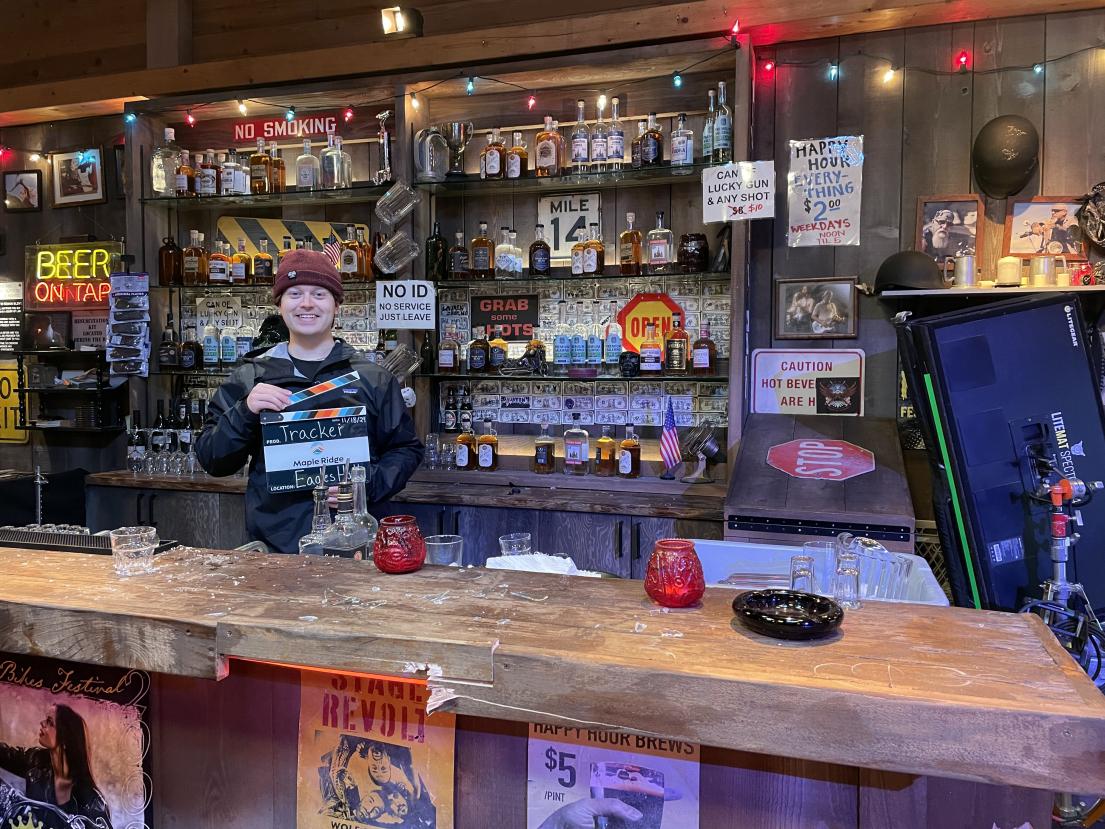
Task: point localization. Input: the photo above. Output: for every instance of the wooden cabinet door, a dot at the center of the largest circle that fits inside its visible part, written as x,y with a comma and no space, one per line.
482,526
192,518
594,541
109,507
432,519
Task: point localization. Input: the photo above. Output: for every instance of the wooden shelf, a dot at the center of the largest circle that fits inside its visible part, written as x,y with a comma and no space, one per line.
474,185
996,292
68,389
358,194
715,378
34,427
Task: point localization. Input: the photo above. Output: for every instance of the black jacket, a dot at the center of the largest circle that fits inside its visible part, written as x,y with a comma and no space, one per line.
232,434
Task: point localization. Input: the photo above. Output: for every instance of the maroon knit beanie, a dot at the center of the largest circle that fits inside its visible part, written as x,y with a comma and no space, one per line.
307,267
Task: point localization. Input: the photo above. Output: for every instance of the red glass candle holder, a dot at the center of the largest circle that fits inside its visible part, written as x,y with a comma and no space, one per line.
674,576
399,546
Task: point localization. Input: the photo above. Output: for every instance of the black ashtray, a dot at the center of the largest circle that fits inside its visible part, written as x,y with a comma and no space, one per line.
788,614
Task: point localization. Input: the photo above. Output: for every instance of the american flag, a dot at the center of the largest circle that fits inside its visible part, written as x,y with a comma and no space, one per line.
332,249
669,440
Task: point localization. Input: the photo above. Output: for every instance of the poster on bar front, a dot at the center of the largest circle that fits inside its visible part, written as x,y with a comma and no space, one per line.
824,185
369,756
587,777
72,745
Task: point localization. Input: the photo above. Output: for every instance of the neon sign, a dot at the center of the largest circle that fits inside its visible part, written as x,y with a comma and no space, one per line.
72,276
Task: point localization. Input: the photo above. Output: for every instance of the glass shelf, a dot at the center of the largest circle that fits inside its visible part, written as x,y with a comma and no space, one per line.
474,185
671,378
34,427
557,276
191,372
357,194
68,389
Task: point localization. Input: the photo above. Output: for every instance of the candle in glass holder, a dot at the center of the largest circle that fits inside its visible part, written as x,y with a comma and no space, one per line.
674,575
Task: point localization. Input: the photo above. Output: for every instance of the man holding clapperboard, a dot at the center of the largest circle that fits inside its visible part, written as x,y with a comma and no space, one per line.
334,406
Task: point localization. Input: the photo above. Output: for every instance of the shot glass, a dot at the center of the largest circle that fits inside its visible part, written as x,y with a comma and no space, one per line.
801,574
444,549
846,587
132,550
515,544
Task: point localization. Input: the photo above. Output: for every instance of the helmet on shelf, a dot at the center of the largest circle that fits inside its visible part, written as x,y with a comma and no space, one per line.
908,270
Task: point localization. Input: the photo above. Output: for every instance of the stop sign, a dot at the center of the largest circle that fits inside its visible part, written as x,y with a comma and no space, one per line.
643,309
831,460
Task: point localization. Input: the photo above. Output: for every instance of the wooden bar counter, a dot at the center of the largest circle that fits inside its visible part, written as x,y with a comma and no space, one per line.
947,693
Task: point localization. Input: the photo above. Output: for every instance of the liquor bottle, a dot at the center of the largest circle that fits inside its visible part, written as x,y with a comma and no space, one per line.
330,164
661,247
562,341
676,345
168,353
185,176
594,335
450,414
311,543
365,261
448,352
537,343
279,171
437,254
427,353
194,261
493,157
629,248
652,352
708,130
581,138
381,348
517,158
544,452
242,174
346,538
246,332
191,352
228,346
579,337
600,144
228,168
464,406
207,175
615,140
260,170
723,129
605,451
157,433
378,241
349,259
466,450
136,443
210,346
515,256
307,171
577,256
682,146
504,255
345,164
548,151
652,144
498,348
483,158
170,263
479,352
540,259
594,252
629,455
458,258
241,266
164,162
562,149
218,266
612,347
262,265
390,337
487,447
482,260
637,145
577,450
704,351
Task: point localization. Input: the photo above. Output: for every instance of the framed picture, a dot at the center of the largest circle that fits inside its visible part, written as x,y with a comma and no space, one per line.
22,191
1044,226
815,309
948,226
78,177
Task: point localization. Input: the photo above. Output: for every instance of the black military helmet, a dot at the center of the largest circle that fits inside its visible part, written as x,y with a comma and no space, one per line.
1005,155
909,270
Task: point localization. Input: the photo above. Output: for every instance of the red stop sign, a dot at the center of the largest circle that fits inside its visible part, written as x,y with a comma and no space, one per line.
831,460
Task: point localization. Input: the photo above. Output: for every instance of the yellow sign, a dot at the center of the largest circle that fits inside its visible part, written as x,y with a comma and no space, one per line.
72,264
69,277
9,405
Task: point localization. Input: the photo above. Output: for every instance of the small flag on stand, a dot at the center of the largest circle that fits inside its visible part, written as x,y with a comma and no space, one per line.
669,444
332,249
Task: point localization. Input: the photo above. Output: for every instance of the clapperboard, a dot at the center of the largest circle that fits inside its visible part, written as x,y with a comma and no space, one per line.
298,443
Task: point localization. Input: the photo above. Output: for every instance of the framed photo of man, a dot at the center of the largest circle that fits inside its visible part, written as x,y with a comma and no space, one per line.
947,226
1044,226
22,191
78,177
815,309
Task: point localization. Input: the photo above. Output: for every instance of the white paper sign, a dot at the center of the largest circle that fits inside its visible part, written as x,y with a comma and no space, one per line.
566,217
744,190
824,183
89,329
407,304
823,381
222,311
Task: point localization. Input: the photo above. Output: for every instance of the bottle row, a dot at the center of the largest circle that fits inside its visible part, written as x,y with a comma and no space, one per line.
180,173
214,348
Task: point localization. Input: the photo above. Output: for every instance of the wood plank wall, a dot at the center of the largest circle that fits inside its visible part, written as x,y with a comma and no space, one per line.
918,130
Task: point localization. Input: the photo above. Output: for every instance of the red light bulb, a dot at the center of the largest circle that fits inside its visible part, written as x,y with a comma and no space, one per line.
769,67
190,119
736,29
962,61
348,114
531,102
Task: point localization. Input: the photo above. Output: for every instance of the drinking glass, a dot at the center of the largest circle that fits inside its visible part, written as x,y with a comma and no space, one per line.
397,252
801,574
515,544
444,549
430,459
397,202
846,587
823,554
132,550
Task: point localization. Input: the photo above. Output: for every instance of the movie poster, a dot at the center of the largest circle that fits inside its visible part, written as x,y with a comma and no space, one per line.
71,745
610,779
369,756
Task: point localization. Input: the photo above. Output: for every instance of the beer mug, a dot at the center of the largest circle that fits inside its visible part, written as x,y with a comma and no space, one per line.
396,203
398,252
964,272
1041,271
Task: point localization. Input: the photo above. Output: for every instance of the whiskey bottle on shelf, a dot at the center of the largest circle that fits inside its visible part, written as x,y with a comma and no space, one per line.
210,346
517,158
577,450
708,130
537,343
458,258
194,261
307,171
164,161
563,150
228,346
168,353
652,144
638,143
241,173
464,407
661,247
185,176
329,161
540,258
483,158
600,144
448,353
170,263
723,129
260,170
345,164
515,256
498,349
493,157
581,138
595,338
615,140
652,352
487,445
629,455
562,341
479,352
228,169
218,266
262,265
547,151
676,345
504,255
482,260
466,450
682,146
579,336
594,252
437,255
279,171
349,261
191,352
207,175
544,452
704,351
577,256
450,414
629,248
241,270
220,178
605,451
612,345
